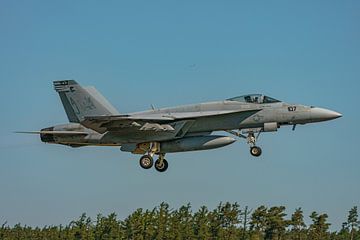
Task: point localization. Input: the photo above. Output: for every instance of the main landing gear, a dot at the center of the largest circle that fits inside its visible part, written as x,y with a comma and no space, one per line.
147,160
251,140
161,164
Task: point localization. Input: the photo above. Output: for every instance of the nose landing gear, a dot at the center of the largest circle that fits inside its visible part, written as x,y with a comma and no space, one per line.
251,140
255,151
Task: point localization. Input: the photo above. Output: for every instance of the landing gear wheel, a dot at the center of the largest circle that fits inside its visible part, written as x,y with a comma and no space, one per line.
161,166
255,151
146,161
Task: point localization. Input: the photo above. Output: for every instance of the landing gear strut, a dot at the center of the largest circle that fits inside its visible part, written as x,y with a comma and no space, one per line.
147,161
251,140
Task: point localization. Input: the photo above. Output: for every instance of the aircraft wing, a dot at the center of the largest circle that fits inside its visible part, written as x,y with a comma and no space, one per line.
151,122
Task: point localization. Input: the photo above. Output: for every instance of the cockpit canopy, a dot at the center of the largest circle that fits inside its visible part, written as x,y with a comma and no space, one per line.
254,98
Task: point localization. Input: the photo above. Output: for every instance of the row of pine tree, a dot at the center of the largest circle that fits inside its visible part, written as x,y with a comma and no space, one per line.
227,221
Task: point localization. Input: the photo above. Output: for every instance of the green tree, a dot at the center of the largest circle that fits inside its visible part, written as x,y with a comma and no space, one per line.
201,224
258,222
353,222
344,233
275,223
139,225
161,221
108,227
245,222
81,228
226,221
149,231
181,223
214,224
229,218
318,230
298,226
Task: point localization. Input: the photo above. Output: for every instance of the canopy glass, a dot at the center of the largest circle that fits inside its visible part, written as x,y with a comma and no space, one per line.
254,98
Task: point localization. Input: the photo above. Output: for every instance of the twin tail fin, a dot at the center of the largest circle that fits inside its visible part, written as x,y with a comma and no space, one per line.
80,102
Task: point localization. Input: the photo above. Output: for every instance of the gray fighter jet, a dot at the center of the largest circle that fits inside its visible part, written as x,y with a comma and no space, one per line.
95,122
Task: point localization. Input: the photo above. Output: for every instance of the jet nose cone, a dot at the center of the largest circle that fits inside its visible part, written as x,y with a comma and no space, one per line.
336,114
322,114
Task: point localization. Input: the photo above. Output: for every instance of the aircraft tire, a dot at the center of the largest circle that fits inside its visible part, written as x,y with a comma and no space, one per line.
146,162
255,151
163,167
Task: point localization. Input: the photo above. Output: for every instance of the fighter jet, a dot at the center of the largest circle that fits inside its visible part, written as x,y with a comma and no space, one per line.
95,122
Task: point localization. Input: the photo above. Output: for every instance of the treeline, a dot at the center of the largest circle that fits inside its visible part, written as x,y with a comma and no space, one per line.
227,221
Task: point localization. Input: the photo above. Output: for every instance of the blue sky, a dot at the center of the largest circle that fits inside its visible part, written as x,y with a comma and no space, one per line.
169,53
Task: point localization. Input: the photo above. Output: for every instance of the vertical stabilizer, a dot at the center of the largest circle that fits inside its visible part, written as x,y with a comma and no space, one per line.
80,102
